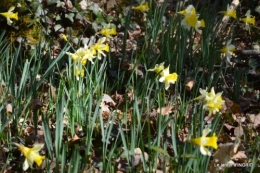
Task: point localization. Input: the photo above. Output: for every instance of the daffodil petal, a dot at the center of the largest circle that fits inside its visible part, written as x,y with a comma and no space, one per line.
25,165
205,151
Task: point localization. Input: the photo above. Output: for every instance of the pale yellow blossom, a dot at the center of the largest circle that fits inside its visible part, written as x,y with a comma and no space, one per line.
10,15
205,141
31,155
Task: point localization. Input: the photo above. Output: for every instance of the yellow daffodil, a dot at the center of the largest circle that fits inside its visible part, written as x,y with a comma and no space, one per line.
229,12
228,49
79,72
189,10
64,37
89,55
204,142
108,31
191,21
158,68
249,19
82,55
10,15
100,47
142,7
168,78
31,155
211,102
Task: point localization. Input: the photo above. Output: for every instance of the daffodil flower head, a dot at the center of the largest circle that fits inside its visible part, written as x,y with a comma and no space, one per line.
158,68
190,21
108,31
64,37
82,55
10,15
31,155
100,47
228,49
79,72
189,10
142,7
205,141
168,78
90,54
249,19
211,102
229,12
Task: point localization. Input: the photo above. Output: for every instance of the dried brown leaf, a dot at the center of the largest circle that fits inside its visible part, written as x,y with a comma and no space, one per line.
189,85
35,104
9,108
74,140
239,156
131,94
135,34
238,131
108,100
229,127
223,155
255,119
110,4
227,105
165,110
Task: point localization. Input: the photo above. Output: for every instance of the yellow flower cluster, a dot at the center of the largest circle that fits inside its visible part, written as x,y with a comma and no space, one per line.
204,141
249,19
165,75
191,19
211,102
88,53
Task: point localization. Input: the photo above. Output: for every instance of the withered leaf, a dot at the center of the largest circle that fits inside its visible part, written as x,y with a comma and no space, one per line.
238,131
110,4
229,127
255,119
239,156
223,155
227,105
35,104
108,100
189,85
165,110
9,108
